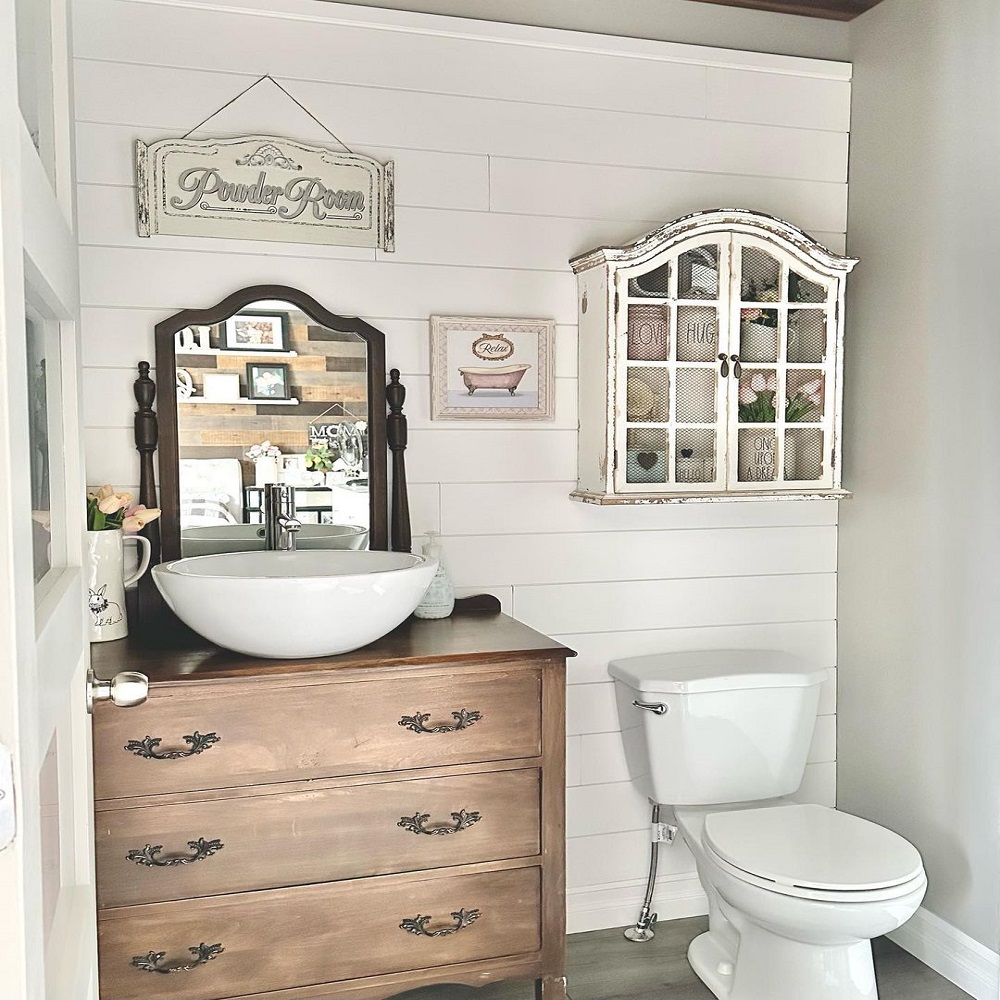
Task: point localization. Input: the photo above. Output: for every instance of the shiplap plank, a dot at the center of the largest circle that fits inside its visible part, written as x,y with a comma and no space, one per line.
602,759
395,60
814,641
647,604
418,408
109,455
602,755
425,513
597,809
106,218
642,555
117,338
545,186
424,178
112,338
737,95
502,509
602,859
149,279
107,394
152,96
423,236
495,239
591,708
309,13
573,761
823,748
819,784
490,456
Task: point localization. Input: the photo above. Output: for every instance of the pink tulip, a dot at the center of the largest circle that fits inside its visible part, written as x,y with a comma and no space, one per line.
758,382
110,504
813,391
747,395
137,517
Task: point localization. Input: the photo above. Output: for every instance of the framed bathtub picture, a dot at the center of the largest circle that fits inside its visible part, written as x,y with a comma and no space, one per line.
492,368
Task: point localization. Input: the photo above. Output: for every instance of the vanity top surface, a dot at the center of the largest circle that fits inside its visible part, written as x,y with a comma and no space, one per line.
471,636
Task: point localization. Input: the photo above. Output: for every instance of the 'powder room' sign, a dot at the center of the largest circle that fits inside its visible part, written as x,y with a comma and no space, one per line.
263,188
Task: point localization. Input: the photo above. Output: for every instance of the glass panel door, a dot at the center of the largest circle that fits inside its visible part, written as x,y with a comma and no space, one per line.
783,404
669,384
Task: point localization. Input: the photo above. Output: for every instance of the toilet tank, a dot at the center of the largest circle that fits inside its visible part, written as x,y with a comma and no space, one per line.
722,725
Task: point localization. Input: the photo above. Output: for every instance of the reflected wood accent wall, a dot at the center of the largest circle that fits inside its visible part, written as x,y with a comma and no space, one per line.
328,368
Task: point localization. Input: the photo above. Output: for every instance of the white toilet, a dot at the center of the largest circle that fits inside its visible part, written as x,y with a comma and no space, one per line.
795,892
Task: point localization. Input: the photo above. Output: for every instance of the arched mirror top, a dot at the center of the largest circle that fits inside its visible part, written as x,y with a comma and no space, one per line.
269,386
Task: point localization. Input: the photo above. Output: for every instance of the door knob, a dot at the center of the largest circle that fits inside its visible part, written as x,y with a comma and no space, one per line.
127,689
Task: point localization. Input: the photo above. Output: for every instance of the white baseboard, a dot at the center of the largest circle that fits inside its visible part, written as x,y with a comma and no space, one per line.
961,959
597,907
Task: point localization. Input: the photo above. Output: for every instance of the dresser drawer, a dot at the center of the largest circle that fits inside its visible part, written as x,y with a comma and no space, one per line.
291,835
311,934
223,734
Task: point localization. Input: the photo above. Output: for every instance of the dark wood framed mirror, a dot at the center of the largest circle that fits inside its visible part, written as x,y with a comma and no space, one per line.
269,364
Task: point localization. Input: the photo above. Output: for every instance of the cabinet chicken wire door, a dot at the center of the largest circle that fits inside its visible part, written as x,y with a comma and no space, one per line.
672,328
781,392
722,345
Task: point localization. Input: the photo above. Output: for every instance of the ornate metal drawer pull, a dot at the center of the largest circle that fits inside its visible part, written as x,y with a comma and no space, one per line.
150,962
147,855
418,924
415,824
463,719
198,742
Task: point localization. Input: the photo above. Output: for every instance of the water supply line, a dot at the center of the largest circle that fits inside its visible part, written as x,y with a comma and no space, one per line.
644,929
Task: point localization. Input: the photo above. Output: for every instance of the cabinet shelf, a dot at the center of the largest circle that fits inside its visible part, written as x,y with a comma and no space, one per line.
201,401
644,499
243,354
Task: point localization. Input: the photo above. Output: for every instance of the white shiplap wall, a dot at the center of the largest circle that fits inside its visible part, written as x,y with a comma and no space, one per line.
515,148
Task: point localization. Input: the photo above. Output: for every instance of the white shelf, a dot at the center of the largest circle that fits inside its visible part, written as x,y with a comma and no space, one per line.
236,402
243,354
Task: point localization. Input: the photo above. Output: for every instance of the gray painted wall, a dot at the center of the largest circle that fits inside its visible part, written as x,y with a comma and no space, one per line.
919,708
664,20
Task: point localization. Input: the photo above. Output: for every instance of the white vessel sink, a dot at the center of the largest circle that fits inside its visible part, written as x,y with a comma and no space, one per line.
214,539
294,604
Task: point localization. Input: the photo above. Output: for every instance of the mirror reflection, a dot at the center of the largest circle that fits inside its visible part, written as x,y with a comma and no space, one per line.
269,395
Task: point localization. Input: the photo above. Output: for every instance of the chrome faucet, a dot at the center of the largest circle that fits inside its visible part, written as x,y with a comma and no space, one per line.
280,523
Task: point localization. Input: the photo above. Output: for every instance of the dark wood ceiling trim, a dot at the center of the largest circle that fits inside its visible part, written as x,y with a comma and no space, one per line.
835,10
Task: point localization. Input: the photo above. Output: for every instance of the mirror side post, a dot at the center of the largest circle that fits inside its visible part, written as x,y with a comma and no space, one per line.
395,395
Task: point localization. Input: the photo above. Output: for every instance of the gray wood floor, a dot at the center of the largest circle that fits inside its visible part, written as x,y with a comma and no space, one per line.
602,965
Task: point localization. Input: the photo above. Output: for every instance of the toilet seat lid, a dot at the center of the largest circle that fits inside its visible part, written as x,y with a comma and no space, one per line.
812,847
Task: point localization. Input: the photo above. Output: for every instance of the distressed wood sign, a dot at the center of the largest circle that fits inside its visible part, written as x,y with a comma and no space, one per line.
263,188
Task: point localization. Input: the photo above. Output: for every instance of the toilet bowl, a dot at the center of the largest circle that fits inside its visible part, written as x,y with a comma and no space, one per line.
795,891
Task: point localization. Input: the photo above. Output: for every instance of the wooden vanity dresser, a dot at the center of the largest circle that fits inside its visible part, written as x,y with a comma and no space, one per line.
353,826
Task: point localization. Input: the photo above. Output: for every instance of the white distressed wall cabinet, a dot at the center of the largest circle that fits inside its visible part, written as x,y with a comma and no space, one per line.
711,363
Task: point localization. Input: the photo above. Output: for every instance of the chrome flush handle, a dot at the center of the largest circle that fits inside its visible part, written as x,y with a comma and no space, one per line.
656,707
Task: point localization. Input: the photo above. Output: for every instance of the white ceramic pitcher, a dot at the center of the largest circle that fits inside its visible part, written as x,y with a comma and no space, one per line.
106,581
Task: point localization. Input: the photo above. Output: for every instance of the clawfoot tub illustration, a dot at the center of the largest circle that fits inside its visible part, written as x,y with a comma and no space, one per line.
506,377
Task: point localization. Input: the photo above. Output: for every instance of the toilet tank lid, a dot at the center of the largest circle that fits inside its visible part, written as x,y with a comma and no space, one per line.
714,670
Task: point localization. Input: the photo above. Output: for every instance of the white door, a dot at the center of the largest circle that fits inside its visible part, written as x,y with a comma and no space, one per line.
47,927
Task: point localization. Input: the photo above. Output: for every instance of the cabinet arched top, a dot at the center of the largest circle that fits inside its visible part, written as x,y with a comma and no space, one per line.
718,221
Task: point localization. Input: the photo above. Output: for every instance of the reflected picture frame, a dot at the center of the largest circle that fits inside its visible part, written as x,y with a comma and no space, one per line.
255,330
268,380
